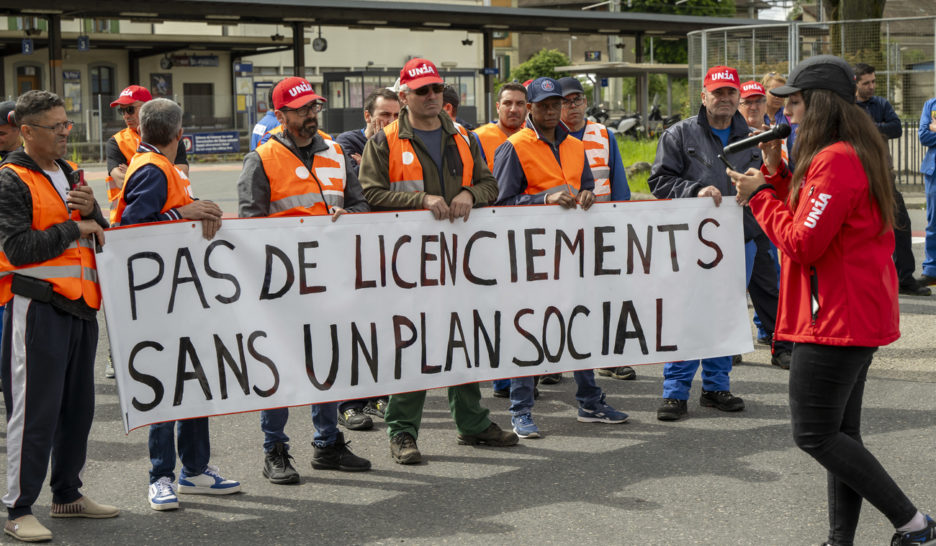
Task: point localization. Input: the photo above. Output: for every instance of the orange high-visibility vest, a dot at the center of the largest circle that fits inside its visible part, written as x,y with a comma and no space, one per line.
73,273
491,137
406,173
598,152
294,190
178,187
128,141
545,175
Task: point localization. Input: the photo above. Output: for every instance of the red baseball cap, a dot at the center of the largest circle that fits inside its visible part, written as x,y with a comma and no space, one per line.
721,76
132,94
419,72
294,92
752,88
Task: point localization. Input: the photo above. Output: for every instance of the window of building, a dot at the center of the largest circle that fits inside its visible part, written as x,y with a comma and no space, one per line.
103,85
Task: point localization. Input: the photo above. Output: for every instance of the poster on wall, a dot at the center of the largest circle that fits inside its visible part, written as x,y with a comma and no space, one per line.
161,85
72,89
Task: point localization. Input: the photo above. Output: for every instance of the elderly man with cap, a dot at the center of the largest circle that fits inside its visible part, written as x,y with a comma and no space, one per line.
604,160
121,147
687,165
423,160
543,163
299,173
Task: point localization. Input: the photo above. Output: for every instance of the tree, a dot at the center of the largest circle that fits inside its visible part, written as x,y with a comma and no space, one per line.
856,41
543,63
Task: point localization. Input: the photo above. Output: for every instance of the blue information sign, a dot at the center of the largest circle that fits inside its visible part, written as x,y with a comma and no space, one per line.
243,67
604,82
490,71
84,43
27,46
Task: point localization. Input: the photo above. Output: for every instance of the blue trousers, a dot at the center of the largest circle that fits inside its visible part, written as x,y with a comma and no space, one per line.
929,247
193,443
501,384
324,419
588,392
677,376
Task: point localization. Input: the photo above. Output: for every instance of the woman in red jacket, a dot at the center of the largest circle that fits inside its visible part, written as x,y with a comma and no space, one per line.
832,219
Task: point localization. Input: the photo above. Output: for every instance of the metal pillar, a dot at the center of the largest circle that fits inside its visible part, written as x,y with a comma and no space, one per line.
488,52
298,31
56,83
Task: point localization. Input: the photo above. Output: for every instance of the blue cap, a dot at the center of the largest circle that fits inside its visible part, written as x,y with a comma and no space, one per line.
543,88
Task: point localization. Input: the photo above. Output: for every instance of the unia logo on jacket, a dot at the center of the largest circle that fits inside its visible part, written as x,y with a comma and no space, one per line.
726,75
421,70
819,205
303,87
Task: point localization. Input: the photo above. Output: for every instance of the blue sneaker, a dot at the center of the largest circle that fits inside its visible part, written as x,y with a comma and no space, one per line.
601,413
926,535
209,482
162,496
524,426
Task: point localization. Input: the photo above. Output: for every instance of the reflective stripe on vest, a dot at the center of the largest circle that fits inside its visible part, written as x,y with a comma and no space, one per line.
178,187
406,173
294,191
491,137
73,273
544,175
128,141
598,152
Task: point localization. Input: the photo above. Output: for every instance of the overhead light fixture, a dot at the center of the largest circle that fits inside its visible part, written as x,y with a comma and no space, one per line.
369,22
557,29
467,41
654,32
299,19
440,24
138,14
223,17
496,27
38,11
608,30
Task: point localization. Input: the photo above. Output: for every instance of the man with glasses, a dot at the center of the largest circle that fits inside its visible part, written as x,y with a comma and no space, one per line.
544,164
49,225
298,173
423,160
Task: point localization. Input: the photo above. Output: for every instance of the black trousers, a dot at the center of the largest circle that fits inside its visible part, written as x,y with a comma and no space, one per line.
47,368
826,390
903,239
765,291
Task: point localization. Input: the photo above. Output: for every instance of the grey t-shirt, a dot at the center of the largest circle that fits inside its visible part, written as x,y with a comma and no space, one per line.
433,142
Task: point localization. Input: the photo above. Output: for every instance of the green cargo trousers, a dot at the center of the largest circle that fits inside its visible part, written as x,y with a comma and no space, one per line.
404,411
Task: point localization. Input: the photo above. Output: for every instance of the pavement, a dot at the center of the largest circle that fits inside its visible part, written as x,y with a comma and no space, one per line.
711,479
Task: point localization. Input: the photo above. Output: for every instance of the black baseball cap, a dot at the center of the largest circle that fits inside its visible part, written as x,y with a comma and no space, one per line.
570,85
820,72
6,108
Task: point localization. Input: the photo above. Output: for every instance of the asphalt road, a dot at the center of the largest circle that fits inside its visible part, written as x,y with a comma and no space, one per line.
714,478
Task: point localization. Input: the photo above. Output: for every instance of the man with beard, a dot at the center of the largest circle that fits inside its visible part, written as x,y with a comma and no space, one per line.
423,160
287,176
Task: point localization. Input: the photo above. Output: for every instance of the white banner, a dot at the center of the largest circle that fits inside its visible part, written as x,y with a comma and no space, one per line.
280,312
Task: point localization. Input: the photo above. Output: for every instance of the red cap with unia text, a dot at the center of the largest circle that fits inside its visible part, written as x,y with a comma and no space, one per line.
418,72
132,94
294,92
752,89
721,76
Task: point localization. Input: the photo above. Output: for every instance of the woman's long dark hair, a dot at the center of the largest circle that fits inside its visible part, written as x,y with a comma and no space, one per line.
829,119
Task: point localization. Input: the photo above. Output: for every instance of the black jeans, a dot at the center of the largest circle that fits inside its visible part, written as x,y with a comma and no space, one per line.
826,390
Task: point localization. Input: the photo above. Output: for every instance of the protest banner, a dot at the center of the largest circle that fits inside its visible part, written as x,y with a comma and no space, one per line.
278,312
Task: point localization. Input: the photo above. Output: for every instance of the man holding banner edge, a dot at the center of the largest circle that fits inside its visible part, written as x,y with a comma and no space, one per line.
396,173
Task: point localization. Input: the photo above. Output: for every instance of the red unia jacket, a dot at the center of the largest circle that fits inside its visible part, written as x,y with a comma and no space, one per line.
838,284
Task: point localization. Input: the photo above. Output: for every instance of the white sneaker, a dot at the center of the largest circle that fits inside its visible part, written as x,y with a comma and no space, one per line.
162,496
209,482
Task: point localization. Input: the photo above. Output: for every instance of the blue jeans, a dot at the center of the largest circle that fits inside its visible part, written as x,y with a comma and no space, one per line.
929,247
588,392
677,376
324,419
194,448
501,384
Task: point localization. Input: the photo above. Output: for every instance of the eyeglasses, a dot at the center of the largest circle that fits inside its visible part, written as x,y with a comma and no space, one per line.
437,88
577,101
757,102
60,127
126,110
304,111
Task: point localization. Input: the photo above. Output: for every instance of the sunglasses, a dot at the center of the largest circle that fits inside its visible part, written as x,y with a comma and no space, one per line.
436,88
126,110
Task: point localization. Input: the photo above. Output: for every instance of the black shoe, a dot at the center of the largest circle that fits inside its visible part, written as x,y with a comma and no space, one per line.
926,280
625,373
782,359
551,379
764,340
403,449
926,535
376,407
338,457
355,419
505,393
492,436
535,393
276,466
736,359
672,410
914,288
722,400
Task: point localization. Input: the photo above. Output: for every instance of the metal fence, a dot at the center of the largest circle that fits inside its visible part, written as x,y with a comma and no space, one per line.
902,51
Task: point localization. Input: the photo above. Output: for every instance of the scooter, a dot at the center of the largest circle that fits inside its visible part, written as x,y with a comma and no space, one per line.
597,113
657,123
